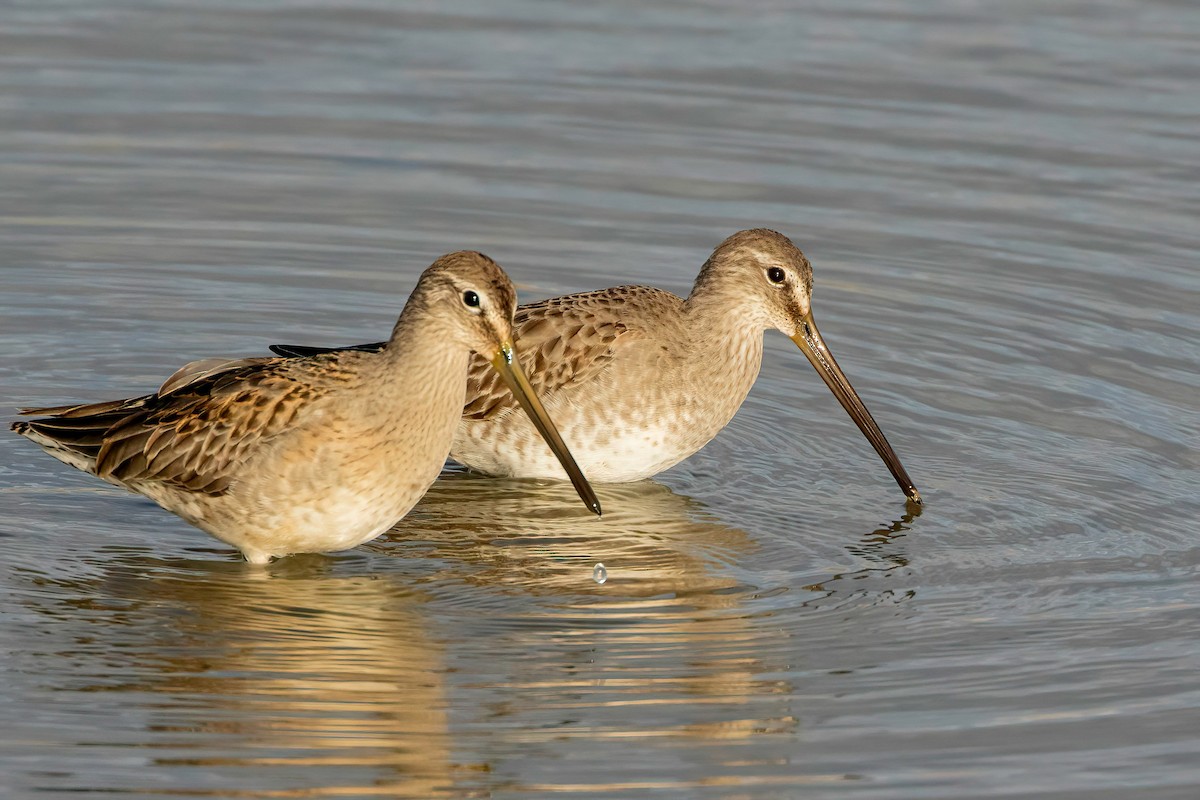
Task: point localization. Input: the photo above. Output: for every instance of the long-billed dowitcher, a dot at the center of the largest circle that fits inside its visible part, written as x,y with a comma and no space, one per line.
639,379
288,455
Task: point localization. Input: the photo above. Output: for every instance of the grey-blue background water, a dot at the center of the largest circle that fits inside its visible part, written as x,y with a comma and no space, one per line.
1000,201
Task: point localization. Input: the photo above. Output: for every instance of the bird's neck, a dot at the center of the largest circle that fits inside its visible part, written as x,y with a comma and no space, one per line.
717,313
422,363
726,337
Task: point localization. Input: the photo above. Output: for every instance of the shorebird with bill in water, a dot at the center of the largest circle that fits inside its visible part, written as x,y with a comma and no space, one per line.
639,379
276,456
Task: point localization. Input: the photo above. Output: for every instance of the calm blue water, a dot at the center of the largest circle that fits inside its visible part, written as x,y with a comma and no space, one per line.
1000,204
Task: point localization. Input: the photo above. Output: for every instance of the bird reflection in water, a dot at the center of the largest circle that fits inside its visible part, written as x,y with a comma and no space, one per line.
338,675
668,632
268,684
518,534
884,550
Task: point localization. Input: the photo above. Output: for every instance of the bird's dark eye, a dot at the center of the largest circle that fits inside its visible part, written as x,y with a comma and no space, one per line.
471,299
775,275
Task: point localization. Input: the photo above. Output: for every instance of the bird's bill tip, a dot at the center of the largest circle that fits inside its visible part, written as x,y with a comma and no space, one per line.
810,342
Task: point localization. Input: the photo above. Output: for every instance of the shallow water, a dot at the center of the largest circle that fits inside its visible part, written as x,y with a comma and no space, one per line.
1000,204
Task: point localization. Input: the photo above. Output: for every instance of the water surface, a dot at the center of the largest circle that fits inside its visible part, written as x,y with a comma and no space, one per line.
1000,204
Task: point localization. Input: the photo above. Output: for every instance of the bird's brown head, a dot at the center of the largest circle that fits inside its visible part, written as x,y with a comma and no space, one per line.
765,278
763,275
473,302
472,299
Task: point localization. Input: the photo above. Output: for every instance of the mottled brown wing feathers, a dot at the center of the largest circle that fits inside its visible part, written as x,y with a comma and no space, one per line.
560,341
192,432
194,436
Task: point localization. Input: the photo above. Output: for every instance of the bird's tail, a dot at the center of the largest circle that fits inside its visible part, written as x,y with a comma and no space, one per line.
74,434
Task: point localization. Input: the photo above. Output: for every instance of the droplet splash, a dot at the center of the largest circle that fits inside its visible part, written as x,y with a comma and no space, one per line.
599,573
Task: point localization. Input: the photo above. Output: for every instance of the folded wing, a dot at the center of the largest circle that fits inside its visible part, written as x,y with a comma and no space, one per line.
190,433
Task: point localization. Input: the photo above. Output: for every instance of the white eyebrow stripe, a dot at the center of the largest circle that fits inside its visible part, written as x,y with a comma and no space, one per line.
764,260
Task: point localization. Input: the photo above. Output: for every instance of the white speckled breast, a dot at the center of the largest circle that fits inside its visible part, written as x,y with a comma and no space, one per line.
642,415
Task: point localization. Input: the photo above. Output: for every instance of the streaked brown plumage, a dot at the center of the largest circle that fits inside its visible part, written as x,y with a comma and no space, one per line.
639,379
277,456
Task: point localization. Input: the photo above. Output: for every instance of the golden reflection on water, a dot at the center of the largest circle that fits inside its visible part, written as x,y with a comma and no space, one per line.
279,676
669,598
521,535
335,676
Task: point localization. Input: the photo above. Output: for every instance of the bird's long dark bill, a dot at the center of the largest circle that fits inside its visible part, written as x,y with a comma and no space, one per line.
809,340
506,363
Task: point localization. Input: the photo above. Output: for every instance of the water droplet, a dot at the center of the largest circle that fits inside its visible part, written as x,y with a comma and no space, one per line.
599,573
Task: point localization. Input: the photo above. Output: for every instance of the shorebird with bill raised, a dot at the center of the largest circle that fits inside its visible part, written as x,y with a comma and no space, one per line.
276,456
639,379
